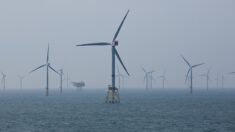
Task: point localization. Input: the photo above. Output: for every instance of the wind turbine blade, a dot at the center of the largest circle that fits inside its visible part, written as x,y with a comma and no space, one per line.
185,60
60,71
197,65
143,69
187,75
120,26
232,73
94,44
54,70
48,53
37,68
119,58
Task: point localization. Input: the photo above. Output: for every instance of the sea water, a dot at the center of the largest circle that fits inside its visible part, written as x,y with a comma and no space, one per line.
139,111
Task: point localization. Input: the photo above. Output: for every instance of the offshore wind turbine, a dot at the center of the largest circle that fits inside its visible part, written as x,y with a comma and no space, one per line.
151,78
61,73
67,79
120,79
217,81
190,70
48,66
146,78
21,80
112,94
207,75
231,73
4,81
163,79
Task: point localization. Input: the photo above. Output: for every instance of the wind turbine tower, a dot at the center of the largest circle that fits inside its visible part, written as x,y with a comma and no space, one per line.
113,93
190,70
61,79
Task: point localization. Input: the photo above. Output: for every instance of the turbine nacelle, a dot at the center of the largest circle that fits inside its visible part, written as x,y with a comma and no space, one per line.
115,43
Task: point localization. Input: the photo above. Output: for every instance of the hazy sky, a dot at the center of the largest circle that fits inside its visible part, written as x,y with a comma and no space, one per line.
154,35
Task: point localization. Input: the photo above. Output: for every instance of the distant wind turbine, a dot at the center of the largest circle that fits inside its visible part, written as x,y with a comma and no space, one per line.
163,76
67,80
147,76
4,81
120,79
48,66
21,80
151,78
112,94
190,70
207,75
231,73
217,81
61,73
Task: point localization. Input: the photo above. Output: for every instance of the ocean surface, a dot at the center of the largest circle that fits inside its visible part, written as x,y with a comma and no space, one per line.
139,111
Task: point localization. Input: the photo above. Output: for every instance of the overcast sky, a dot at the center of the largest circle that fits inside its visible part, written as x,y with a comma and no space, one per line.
154,35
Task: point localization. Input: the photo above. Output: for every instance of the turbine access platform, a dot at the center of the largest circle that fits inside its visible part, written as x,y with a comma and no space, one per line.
112,95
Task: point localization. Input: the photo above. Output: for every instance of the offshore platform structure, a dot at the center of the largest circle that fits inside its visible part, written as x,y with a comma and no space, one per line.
112,93
79,85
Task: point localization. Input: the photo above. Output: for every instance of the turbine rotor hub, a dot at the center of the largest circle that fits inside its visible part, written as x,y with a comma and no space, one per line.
115,43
